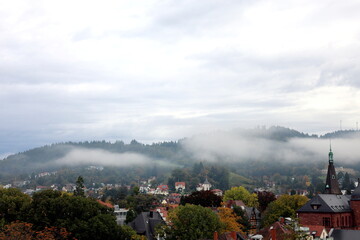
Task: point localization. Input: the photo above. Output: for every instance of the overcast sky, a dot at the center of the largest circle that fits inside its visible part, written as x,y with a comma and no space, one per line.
162,70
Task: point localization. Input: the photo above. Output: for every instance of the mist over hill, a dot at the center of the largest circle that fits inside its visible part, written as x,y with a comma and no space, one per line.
247,152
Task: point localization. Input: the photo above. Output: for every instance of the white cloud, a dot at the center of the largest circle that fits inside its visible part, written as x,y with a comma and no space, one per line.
162,70
101,157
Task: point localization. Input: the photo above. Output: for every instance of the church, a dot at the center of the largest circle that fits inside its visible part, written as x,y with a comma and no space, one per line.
332,209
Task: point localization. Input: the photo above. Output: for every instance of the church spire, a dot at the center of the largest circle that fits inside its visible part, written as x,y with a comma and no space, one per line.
332,184
331,155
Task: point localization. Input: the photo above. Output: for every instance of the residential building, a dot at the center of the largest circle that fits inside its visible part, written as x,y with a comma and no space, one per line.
180,186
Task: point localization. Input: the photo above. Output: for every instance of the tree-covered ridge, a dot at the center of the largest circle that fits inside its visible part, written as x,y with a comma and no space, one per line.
162,158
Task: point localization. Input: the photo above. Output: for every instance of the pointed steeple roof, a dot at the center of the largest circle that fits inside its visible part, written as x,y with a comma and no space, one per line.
332,184
206,181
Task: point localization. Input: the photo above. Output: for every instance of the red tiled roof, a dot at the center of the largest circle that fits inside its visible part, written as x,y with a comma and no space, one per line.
105,204
163,187
238,203
216,190
179,183
317,229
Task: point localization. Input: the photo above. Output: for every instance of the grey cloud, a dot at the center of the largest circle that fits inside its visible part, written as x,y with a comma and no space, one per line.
235,147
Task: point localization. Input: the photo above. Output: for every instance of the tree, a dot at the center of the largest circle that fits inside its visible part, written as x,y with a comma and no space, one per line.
79,191
84,218
229,219
240,193
202,198
265,198
12,205
192,222
243,219
17,230
284,206
141,202
21,230
220,175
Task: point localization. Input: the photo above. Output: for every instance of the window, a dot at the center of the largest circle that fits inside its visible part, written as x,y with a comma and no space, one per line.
326,221
346,220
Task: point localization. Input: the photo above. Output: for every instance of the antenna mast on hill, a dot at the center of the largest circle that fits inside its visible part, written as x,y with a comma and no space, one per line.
357,126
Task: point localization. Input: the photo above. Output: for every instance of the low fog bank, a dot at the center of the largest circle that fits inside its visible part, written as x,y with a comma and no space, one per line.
83,156
237,147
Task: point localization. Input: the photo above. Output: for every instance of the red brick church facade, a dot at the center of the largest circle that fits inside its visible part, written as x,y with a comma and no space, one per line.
332,209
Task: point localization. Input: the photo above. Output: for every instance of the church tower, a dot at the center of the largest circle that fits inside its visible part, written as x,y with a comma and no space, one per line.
332,184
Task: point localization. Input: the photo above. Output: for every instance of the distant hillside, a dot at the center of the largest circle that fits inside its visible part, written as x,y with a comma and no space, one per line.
342,134
173,153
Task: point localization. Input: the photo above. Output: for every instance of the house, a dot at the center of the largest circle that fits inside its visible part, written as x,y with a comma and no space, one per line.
144,188
253,214
278,230
204,186
232,203
162,189
318,232
70,187
105,204
230,236
174,198
217,192
179,186
120,214
145,223
332,209
254,217
40,188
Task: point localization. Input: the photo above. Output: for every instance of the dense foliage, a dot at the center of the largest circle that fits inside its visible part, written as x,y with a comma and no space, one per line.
192,222
240,193
284,206
202,198
77,216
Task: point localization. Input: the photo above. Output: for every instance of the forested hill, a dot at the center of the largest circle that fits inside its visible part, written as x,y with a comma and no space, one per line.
174,153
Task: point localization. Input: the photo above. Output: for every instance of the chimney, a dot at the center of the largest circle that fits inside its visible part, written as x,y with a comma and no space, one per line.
233,235
273,233
216,236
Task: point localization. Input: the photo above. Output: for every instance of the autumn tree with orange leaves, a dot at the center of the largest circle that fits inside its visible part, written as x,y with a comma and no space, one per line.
24,231
229,220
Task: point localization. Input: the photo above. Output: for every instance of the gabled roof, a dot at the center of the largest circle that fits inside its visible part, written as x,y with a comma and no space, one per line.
327,203
282,231
180,183
238,203
163,187
316,230
145,223
341,234
252,211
